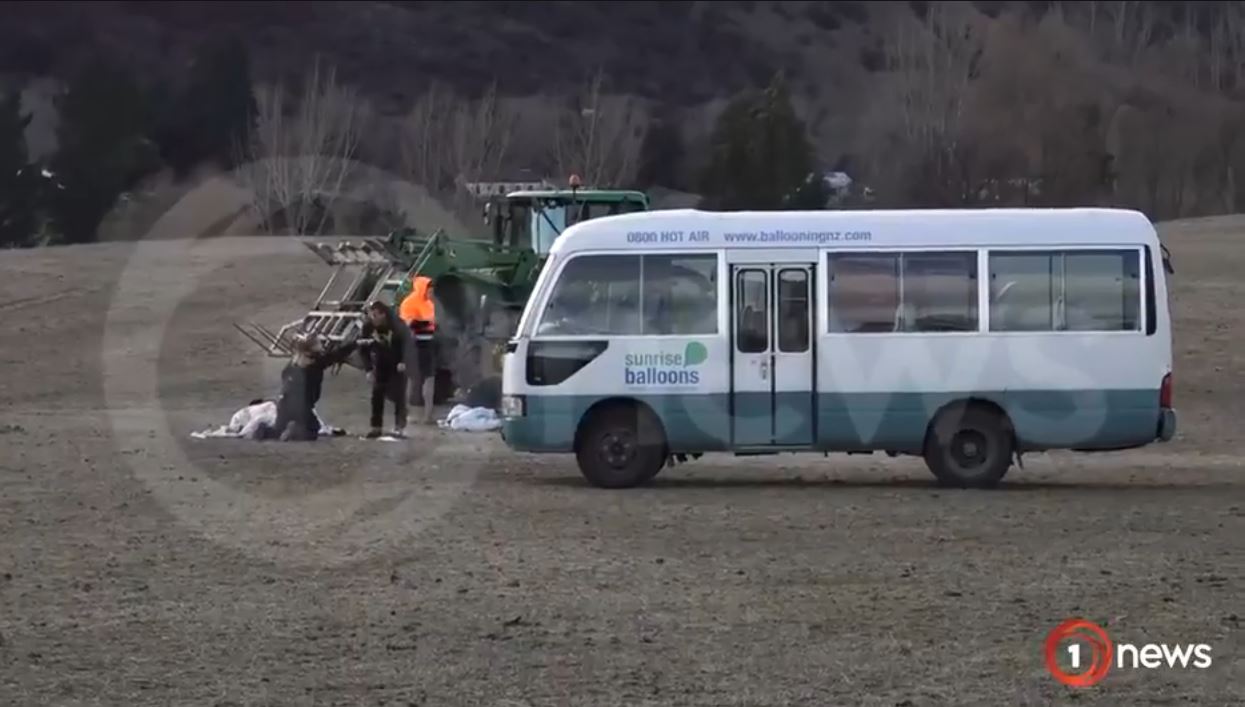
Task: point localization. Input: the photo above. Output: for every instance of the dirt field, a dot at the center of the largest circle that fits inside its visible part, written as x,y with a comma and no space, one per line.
140,567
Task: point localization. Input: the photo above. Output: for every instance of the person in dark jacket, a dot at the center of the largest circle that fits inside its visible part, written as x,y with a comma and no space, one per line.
302,381
384,356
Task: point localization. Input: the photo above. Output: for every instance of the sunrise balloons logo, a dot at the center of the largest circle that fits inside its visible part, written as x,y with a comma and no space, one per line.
668,368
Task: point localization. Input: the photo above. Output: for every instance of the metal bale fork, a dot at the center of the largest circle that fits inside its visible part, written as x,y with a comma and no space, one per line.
364,271
481,283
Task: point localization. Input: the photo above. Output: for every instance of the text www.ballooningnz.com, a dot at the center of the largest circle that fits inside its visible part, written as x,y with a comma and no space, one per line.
782,236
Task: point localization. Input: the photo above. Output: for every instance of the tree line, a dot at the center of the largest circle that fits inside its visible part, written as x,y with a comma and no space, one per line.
1130,104
1097,103
112,131
298,153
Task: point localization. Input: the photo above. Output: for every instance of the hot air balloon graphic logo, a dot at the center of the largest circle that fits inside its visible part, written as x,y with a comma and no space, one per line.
695,354
664,369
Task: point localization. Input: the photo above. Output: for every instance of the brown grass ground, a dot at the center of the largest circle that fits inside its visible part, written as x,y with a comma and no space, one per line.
138,566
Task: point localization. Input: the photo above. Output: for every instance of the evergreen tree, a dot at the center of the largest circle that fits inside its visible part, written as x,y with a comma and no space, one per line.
726,180
206,119
661,155
785,155
19,180
102,147
760,156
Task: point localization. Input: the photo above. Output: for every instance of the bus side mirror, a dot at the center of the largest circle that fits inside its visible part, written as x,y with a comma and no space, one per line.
488,213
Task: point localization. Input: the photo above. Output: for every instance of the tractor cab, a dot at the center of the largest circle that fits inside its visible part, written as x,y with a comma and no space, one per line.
534,219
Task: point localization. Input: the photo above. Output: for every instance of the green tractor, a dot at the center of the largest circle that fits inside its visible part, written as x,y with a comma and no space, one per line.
480,285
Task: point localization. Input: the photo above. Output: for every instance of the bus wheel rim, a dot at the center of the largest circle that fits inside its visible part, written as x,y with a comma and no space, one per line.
617,448
969,449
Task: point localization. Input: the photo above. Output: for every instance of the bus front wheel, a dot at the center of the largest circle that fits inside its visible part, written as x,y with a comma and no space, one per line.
620,446
969,446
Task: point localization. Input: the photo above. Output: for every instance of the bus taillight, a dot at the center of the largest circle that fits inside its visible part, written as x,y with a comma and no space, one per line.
1165,392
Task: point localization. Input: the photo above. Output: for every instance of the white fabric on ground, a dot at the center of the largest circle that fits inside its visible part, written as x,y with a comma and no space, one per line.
246,420
467,419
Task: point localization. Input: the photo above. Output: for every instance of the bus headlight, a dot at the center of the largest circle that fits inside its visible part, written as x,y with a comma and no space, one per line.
512,406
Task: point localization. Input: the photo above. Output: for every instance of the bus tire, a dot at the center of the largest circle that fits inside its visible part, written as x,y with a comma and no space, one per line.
620,446
969,446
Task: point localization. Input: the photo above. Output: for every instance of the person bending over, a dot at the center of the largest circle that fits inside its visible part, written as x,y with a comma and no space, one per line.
383,356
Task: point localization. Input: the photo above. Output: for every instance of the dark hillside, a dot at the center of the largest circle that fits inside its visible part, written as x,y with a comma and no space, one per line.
680,52
1140,104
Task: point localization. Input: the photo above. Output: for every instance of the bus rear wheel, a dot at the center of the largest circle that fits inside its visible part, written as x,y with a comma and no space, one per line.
620,446
969,446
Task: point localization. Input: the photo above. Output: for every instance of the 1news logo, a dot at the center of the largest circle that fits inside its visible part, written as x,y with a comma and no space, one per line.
1091,654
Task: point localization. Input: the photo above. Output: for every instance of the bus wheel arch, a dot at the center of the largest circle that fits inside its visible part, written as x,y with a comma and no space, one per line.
970,443
620,443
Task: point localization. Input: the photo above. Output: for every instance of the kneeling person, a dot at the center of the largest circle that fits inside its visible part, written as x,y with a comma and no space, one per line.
301,384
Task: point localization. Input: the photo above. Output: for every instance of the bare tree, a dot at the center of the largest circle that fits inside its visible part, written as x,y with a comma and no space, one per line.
425,152
1219,58
932,61
480,138
1205,51
301,152
1132,29
598,138
1187,49
448,141
1191,169
1230,41
1005,113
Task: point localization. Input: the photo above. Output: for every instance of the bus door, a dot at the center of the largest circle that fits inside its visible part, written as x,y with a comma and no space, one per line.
772,385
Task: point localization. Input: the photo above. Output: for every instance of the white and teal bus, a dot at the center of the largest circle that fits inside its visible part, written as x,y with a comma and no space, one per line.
963,336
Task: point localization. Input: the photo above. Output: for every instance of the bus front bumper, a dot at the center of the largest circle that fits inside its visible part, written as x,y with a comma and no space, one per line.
525,434
1167,425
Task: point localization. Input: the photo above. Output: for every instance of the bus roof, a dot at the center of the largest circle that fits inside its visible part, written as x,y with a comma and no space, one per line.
691,229
606,195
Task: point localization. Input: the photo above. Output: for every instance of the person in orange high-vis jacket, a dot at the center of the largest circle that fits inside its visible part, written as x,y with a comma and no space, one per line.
419,311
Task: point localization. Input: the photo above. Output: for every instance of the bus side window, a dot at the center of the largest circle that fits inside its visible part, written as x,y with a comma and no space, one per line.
1151,295
680,294
864,293
1024,289
793,311
752,336
1102,290
939,291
